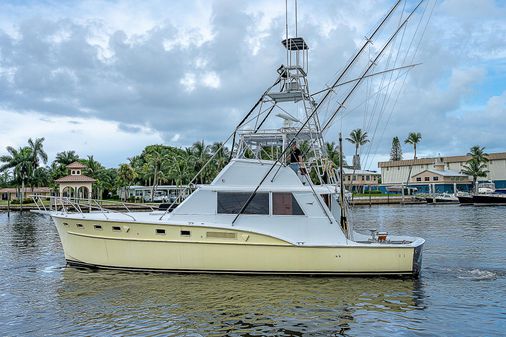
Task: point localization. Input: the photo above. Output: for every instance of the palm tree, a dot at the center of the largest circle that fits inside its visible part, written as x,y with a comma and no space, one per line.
476,169
37,154
155,160
221,155
358,138
478,153
40,177
201,154
126,175
94,170
66,157
20,161
333,153
413,138
5,178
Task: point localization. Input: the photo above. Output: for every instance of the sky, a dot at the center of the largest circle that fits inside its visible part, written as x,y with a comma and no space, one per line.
107,78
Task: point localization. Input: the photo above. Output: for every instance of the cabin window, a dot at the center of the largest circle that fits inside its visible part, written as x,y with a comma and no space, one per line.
98,227
116,228
232,203
185,233
80,225
65,224
160,231
285,204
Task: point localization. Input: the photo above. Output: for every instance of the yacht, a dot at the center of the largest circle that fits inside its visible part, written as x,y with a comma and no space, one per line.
259,215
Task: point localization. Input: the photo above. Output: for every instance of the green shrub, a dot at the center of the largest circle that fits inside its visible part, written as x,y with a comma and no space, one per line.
18,201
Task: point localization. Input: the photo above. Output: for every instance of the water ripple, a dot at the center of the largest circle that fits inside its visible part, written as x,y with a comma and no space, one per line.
462,285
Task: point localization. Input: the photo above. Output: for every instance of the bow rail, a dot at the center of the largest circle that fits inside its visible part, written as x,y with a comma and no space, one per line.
46,204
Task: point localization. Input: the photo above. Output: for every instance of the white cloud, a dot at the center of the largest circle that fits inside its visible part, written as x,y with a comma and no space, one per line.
211,80
189,82
106,141
189,70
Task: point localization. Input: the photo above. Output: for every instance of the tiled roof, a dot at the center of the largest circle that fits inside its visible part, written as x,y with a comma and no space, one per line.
77,178
26,190
76,165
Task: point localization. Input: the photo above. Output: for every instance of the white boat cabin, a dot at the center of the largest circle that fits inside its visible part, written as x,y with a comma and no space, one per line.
283,206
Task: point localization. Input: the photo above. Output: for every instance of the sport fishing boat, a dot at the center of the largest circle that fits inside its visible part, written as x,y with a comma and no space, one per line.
259,215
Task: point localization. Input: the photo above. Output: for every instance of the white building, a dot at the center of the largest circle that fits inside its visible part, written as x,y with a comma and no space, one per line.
403,171
358,179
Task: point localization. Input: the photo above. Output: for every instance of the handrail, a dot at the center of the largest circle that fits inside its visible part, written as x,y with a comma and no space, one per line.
79,203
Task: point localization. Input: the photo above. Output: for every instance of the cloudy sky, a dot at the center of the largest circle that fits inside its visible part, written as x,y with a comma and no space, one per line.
106,78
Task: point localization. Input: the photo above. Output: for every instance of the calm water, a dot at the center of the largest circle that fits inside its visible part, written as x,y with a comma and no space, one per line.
462,291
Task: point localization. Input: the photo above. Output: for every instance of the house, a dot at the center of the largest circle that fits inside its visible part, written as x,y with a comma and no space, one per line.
11,193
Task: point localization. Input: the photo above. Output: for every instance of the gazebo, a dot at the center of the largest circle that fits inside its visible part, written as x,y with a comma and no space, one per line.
76,185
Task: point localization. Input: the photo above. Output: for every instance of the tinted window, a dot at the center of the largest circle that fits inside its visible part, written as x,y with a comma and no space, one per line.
285,204
232,203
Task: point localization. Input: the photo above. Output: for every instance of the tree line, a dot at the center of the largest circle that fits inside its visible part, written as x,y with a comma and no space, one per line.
27,166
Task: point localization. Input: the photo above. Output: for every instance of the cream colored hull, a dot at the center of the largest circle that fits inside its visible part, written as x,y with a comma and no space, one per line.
137,246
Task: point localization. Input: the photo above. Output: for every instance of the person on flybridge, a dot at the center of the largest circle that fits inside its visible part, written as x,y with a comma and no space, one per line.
296,162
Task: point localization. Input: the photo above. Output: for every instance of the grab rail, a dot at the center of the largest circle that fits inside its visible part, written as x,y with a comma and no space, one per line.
65,204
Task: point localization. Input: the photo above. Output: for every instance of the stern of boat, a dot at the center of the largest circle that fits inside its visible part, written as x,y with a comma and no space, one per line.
417,260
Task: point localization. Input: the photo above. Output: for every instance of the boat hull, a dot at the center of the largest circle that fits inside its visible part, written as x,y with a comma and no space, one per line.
466,200
441,200
139,248
489,199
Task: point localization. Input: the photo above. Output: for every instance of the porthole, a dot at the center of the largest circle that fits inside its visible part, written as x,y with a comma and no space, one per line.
80,225
116,228
98,227
160,231
185,233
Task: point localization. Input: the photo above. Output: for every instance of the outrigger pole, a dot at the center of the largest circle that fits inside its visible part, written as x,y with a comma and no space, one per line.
328,93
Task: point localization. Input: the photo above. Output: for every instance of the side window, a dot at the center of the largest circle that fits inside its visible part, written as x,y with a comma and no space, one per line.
231,203
285,204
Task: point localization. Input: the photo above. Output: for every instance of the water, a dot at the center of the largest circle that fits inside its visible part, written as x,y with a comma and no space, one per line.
462,291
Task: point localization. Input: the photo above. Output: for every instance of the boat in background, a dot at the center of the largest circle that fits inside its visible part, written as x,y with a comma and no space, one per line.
487,195
490,199
465,198
445,198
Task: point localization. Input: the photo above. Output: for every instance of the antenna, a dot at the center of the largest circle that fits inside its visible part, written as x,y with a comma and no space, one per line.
286,28
296,19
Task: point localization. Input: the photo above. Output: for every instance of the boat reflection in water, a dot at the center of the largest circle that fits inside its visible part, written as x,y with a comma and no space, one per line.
218,304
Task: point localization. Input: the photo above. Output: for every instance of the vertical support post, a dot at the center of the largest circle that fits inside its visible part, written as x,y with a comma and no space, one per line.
344,221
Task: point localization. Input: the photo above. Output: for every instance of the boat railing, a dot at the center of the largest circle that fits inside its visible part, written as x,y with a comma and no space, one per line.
86,205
